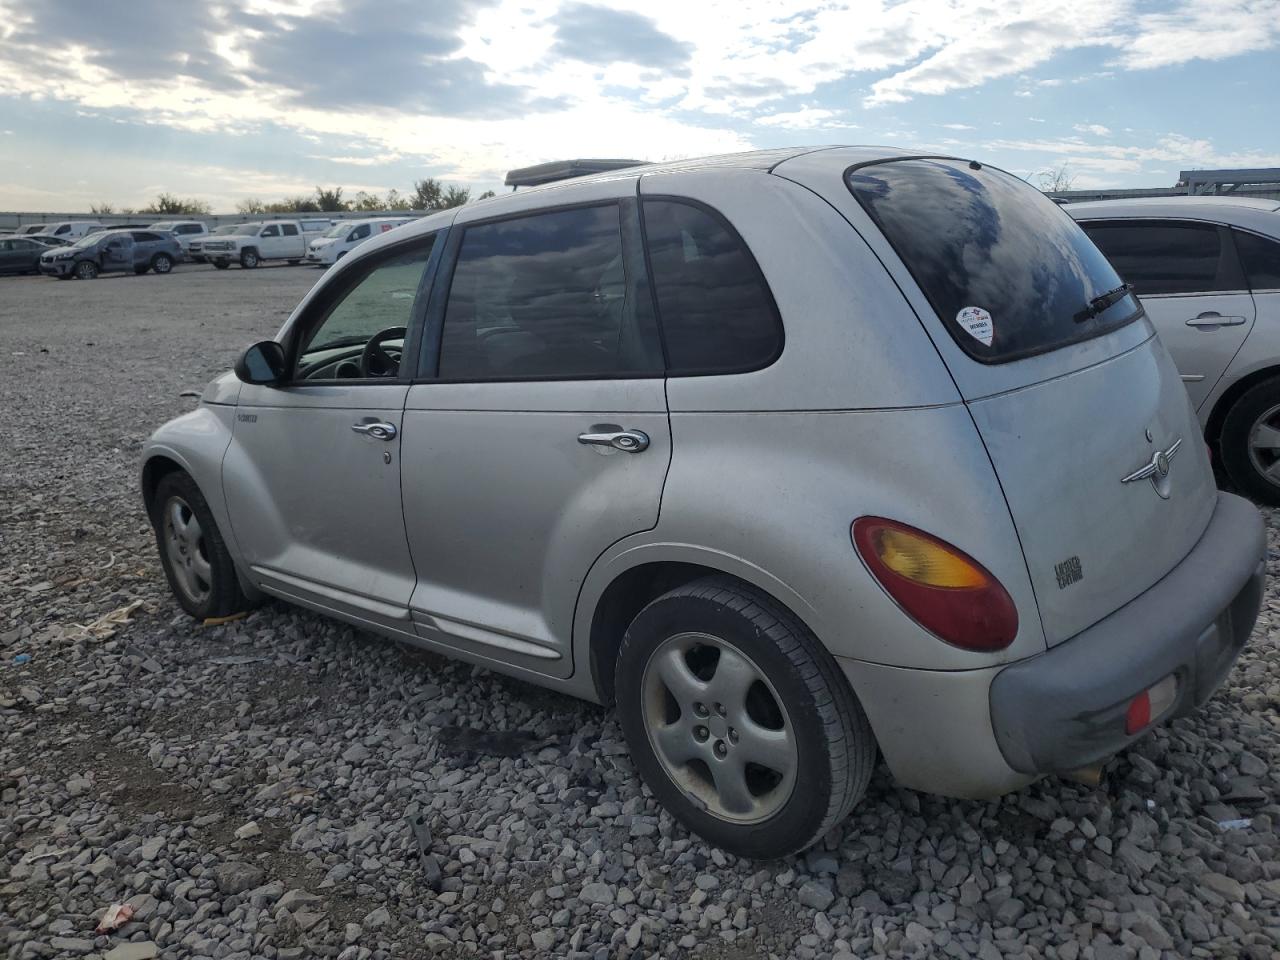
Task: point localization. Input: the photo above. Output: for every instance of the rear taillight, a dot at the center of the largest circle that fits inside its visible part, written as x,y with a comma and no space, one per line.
943,589
1150,705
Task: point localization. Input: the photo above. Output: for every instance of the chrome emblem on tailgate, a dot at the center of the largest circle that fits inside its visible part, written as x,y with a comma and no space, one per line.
1157,470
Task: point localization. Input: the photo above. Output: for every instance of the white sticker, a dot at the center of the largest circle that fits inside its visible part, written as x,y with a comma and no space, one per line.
977,323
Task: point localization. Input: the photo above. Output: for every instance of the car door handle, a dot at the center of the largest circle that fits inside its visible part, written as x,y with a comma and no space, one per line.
378,429
1212,319
628,441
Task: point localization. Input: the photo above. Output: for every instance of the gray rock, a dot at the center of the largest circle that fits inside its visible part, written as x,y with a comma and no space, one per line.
815,894
1223,886
596,892
145,950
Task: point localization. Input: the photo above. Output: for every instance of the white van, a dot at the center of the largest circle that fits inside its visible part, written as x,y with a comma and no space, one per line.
346,235
70,229
30,229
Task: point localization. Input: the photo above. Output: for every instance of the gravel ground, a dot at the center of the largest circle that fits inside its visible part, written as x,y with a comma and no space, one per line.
255,789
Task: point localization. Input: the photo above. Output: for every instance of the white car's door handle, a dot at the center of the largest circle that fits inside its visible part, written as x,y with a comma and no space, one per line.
1212,319
378,429
628,441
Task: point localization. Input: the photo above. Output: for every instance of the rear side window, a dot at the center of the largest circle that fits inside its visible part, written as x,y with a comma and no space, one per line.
1007,271
1260,258
289,230
545,297
716,311
1167,257
360,232
191,228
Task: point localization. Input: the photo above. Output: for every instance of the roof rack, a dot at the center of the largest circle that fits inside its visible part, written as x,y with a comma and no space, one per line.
563,170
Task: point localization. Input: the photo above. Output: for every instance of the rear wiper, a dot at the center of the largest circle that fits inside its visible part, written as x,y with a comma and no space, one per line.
1100,303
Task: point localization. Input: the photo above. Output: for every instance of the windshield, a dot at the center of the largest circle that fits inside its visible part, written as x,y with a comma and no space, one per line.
1008,271
338,230
89,239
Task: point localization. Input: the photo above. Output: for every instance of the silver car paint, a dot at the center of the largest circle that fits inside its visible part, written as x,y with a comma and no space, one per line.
879,425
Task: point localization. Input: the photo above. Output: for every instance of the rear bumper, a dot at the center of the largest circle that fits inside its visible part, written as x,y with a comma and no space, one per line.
1066,708
980,733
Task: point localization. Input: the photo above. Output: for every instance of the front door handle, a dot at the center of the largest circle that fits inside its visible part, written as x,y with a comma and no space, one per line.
1212,319
628,441
378,429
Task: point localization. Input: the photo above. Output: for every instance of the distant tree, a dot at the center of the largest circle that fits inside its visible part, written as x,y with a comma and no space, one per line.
396,202
1056,179
486,195
167,205
251,205
102,209
367,201
330,200
301,204
428,194
456,197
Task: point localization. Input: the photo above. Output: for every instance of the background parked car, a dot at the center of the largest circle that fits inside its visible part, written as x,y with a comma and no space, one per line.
48,241
1207,269
345,235
195,247
29,228
113,251
71,229
255,242
20,255
187,231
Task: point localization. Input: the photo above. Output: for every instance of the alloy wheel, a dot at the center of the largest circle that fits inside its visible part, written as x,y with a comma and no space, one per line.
1264,445
719,728
185,548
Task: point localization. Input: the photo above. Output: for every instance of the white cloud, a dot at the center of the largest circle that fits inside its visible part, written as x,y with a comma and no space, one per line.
809,118
958,126
1202,30
1097,129
1036,119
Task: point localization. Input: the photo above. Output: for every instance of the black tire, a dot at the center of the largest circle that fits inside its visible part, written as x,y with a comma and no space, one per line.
1255,408
85,270
221,265
162,263
141,270
294,263
223,596
834,750
249,259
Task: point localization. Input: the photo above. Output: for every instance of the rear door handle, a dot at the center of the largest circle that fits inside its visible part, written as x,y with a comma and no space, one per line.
1212,319
378,429
628,441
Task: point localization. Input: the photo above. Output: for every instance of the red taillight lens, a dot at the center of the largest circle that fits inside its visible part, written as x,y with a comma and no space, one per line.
1139,713
943,589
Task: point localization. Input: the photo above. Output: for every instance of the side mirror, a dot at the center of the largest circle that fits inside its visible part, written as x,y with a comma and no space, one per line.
263,363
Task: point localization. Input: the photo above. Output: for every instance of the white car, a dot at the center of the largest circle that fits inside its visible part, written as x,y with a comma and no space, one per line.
69,230
346,235
1207,270
254,242
185,231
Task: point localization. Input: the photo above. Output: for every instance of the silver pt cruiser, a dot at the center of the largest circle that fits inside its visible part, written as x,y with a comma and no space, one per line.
794,456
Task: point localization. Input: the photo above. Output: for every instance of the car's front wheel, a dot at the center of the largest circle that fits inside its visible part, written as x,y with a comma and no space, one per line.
249,259
739,720
195,558
1249,443
86,270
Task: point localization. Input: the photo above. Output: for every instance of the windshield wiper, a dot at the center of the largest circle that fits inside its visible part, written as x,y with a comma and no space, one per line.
1100,303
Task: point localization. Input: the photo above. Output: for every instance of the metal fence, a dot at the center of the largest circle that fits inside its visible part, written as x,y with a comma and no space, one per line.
13,220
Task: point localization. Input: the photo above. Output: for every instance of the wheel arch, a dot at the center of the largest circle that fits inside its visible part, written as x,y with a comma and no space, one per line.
604,616
155,469
1224,403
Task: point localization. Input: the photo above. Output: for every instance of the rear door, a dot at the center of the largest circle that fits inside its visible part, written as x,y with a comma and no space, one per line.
540,438
1191,284
1083,414
292,244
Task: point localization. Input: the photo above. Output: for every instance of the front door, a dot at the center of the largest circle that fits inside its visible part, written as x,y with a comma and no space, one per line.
543,438
118,254
312,477
1189,279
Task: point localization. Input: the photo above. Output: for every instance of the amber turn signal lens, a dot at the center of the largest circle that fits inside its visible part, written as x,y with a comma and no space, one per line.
940,587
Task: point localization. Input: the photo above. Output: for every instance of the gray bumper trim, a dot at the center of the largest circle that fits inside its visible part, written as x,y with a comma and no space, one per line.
1065,709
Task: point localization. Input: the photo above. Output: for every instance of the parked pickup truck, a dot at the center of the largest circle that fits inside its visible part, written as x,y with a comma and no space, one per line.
255,242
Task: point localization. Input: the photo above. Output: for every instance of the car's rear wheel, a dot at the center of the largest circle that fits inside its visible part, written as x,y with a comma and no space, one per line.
86,270
249,259
1249,443
294,263
162,263
196,562
739,720
221,265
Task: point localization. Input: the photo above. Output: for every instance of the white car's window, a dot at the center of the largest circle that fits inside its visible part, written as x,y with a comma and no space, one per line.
271,231
1260,257
1164,257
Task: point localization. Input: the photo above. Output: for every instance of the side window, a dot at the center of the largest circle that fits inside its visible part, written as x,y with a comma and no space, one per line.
545,296
61,230
190,228
1163,257
1260,258
716,311
376,302
360,232
271,231
8,245
289,229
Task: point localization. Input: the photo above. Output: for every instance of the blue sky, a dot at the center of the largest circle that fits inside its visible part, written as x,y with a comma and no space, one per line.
266,98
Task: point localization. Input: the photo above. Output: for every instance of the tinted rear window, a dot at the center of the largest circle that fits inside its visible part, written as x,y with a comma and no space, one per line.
1009,273
1260,257
1164,257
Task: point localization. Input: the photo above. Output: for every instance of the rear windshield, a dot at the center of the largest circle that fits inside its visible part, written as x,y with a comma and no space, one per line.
1010,274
